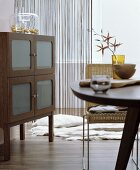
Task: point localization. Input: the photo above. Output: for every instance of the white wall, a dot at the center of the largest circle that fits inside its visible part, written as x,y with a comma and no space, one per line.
121,18
6,10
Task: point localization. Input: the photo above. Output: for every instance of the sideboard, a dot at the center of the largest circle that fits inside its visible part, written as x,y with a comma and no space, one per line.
27,82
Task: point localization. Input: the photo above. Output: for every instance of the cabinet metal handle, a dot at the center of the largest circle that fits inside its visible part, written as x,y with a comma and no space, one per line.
35,95
34,55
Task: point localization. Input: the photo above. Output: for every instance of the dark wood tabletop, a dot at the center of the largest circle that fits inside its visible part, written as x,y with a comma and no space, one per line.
126,96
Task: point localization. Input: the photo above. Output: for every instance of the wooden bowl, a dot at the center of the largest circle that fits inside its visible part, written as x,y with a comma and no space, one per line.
124,71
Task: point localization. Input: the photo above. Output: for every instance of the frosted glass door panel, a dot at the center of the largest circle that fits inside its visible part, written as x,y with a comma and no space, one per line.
44,54
21,98
21,55
44,94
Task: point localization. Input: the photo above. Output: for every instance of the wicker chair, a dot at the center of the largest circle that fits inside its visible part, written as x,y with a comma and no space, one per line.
99,117
119,116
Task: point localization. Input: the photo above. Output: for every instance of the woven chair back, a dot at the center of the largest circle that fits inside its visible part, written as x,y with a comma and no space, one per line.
117,117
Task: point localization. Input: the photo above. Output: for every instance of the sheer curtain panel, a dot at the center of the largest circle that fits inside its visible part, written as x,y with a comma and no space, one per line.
69,21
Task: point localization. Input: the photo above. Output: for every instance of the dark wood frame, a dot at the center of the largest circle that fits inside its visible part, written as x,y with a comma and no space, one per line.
46,70
16,81
15,36
50,108
8,77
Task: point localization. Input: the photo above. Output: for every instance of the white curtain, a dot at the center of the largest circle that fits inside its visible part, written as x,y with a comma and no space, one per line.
69,21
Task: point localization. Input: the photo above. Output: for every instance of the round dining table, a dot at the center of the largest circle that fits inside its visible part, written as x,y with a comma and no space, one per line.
128,96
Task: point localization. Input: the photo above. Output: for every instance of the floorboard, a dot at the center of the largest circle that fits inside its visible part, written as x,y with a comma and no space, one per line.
36,153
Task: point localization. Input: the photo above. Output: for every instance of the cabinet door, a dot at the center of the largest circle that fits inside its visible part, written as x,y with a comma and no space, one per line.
44,50
21,55
44,87
21,93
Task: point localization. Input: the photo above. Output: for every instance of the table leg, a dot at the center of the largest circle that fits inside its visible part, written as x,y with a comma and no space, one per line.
128,137
51,135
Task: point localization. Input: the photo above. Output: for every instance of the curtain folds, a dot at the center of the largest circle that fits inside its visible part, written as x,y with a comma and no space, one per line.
69,21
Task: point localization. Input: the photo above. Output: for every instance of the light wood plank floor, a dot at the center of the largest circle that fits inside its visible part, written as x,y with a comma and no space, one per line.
36,153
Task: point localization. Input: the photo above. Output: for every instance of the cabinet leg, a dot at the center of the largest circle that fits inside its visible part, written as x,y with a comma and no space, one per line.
6,131
51,134
22,131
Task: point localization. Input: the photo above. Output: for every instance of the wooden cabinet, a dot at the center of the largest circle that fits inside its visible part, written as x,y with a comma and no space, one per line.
27,82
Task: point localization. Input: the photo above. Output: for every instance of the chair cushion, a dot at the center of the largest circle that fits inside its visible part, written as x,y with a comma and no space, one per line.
105,108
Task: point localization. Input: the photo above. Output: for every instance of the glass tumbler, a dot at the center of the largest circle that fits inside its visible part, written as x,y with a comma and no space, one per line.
100,83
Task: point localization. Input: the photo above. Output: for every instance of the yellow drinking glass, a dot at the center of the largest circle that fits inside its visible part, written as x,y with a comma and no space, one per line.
117,59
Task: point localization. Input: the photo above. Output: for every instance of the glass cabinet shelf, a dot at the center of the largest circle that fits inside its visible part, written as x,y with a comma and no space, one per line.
21,98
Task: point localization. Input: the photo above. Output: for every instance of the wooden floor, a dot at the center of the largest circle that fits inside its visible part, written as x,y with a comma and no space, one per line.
36,153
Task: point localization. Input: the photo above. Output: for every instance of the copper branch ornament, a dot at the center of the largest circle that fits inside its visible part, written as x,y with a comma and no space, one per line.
106,42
